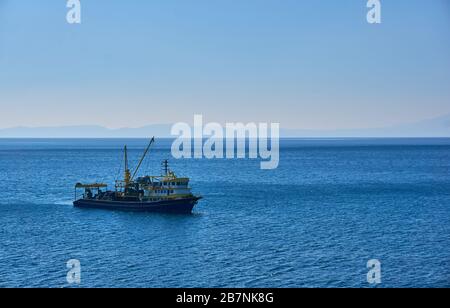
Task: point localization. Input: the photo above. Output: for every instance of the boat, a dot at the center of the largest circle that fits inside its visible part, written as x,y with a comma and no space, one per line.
165,193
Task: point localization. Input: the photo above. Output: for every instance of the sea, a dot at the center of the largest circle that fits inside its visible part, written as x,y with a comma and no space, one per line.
330,211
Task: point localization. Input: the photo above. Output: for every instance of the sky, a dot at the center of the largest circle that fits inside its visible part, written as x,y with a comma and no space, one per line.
311,64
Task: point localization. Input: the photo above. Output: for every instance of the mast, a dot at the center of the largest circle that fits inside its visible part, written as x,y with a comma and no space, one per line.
166,167
127,177
142,158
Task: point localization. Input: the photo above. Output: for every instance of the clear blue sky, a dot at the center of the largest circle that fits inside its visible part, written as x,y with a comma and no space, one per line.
305,64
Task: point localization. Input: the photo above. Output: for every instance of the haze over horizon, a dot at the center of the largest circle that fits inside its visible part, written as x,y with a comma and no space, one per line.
445,117
436,127
305,64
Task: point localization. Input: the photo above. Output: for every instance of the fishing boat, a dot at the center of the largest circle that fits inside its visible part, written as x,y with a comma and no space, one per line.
165,193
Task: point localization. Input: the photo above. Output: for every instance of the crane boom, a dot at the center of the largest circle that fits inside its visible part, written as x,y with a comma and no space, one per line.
143,157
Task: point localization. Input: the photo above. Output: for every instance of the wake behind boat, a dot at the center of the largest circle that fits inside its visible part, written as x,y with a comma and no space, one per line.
166,193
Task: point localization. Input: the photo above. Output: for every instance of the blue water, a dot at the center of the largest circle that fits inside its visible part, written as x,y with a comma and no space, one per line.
314,222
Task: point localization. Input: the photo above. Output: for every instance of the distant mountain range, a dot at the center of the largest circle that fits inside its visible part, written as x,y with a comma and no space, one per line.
86,131
437,127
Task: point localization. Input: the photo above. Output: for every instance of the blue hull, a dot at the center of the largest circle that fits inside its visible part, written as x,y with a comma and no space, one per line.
179,206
